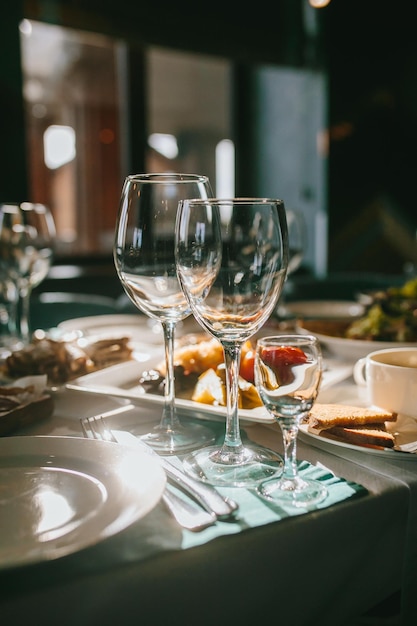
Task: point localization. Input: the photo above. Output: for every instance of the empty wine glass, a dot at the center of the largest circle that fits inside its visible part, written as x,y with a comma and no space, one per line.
27,233
145,263
297,243
297,240
232,256
287,375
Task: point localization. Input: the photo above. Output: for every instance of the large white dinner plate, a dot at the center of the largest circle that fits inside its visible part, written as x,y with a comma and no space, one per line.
122,381
61,494
343,348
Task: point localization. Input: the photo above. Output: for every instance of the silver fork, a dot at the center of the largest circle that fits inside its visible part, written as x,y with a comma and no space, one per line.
189,515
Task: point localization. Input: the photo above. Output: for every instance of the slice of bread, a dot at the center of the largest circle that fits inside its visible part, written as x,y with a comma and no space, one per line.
352,424
329,415
367,435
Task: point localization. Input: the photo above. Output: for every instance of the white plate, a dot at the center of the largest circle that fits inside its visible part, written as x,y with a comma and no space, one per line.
122,381
137,327
323,309
349,349
329,444
140,328
405,427
61,494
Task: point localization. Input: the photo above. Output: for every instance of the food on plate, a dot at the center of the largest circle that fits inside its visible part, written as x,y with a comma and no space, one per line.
63,360
211,389
391,315
106,351
200,375
196,354
352,424
22,405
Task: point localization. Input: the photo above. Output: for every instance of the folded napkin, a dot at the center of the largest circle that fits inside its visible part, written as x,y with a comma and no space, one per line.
254,511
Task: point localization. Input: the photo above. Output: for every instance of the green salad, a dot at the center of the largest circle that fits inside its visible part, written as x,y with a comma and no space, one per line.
391,316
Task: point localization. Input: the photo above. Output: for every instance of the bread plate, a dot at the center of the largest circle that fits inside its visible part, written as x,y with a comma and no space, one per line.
405,428
122,381
330,334
328,444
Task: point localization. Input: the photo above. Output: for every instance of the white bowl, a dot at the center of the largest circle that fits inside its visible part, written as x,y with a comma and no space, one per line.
322,309
340,347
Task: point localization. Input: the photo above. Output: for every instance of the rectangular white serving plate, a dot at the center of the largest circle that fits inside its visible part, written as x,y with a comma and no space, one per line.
122,381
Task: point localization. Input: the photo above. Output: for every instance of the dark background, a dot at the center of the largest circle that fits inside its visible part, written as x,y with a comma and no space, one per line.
367,50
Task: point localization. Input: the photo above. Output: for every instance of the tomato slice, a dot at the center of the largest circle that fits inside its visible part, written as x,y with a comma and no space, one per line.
247,366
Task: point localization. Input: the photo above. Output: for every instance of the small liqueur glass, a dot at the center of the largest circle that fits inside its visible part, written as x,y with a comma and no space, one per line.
288,371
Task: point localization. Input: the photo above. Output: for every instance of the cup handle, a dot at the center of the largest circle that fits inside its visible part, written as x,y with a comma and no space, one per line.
359,372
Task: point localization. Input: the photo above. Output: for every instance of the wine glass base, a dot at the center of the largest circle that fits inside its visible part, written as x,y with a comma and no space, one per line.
298,492
178,440
247,468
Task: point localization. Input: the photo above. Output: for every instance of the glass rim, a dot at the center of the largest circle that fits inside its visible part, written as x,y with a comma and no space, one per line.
229,201
287,337
167,177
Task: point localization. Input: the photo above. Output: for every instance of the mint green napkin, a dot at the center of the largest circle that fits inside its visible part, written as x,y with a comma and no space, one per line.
254,511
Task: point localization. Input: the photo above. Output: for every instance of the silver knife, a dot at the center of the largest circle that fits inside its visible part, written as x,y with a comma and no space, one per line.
205,494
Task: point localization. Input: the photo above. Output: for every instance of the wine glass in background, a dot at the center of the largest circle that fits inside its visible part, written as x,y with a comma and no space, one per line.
27,233
145,263
287,375
297,240
232,257
297,244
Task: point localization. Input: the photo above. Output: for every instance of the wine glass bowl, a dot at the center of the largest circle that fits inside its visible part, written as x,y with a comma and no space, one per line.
27,234
145,262
288,371
232,257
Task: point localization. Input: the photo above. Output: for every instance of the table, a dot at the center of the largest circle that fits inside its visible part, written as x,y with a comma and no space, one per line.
325,567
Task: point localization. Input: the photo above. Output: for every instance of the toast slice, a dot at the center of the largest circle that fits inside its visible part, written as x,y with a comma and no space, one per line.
330,415
352,424
374,435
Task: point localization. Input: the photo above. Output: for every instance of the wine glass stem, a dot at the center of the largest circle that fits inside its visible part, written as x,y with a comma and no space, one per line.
169,417
24,313
232,441
289,436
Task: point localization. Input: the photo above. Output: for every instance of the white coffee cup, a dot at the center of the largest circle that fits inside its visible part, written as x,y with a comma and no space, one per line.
390,377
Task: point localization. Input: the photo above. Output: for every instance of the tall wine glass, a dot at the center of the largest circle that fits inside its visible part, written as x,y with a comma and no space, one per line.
287,375
297,243
232,256
145,263
27,233
297,239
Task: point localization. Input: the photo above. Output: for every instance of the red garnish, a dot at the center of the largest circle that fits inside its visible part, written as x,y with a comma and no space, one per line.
247,366
281,359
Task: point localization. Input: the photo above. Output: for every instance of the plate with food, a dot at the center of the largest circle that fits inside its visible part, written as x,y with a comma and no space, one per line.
341,418
334,336
24,402
389,321
199,380
66,357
